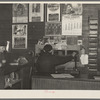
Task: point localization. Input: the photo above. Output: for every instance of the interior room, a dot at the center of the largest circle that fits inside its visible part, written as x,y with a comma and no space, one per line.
60,47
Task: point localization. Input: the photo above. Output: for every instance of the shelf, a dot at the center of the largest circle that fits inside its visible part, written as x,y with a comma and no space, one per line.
93,32
93,57
93,54
93,36
92,49
93,43
93,40
93,21
93,27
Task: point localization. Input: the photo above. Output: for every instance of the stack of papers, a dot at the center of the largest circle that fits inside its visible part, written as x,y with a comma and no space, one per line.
62,76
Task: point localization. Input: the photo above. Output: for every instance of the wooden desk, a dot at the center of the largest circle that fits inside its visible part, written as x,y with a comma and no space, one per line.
47,82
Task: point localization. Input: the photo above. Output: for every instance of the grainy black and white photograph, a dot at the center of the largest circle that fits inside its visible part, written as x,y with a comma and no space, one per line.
50,46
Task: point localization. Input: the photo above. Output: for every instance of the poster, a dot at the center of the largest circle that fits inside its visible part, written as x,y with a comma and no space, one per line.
19,36
53,12
36,12
20,13
72,20
19,30
19,42
53,29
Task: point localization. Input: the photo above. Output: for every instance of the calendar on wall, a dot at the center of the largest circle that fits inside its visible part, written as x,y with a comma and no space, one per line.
20,13
72,19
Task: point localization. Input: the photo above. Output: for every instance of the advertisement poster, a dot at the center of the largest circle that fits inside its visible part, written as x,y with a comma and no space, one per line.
53,29
53,12
19,36
20,13
72,20
19,30
36,12
19,42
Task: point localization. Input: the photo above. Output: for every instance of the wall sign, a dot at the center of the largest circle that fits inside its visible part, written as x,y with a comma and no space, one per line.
53,12
53,29
19,36
20,13
36,12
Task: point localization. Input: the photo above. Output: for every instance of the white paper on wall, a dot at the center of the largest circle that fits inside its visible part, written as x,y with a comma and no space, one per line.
19,36
53,12
72,20
20,13
36,12
71,25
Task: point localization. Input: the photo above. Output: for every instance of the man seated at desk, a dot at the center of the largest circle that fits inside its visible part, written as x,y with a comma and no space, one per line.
47,62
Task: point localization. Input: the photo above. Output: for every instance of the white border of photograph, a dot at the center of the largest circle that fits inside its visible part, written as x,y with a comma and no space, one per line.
41,94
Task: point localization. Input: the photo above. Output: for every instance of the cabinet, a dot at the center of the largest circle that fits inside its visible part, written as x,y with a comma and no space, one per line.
93,43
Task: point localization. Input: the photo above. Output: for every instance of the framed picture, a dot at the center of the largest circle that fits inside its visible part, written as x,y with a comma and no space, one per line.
19,30
52,29
19,36
19,43
53,12
20,13
72,8
36,12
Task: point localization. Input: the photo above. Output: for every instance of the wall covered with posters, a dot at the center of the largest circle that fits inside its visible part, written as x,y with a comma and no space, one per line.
59,19
44,20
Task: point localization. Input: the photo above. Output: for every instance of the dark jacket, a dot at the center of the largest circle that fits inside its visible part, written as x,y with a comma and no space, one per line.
46,62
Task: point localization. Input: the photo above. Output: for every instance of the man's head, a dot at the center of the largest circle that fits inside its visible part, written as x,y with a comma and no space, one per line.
47,48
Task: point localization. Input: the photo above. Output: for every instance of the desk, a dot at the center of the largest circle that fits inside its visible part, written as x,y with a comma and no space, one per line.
47,82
